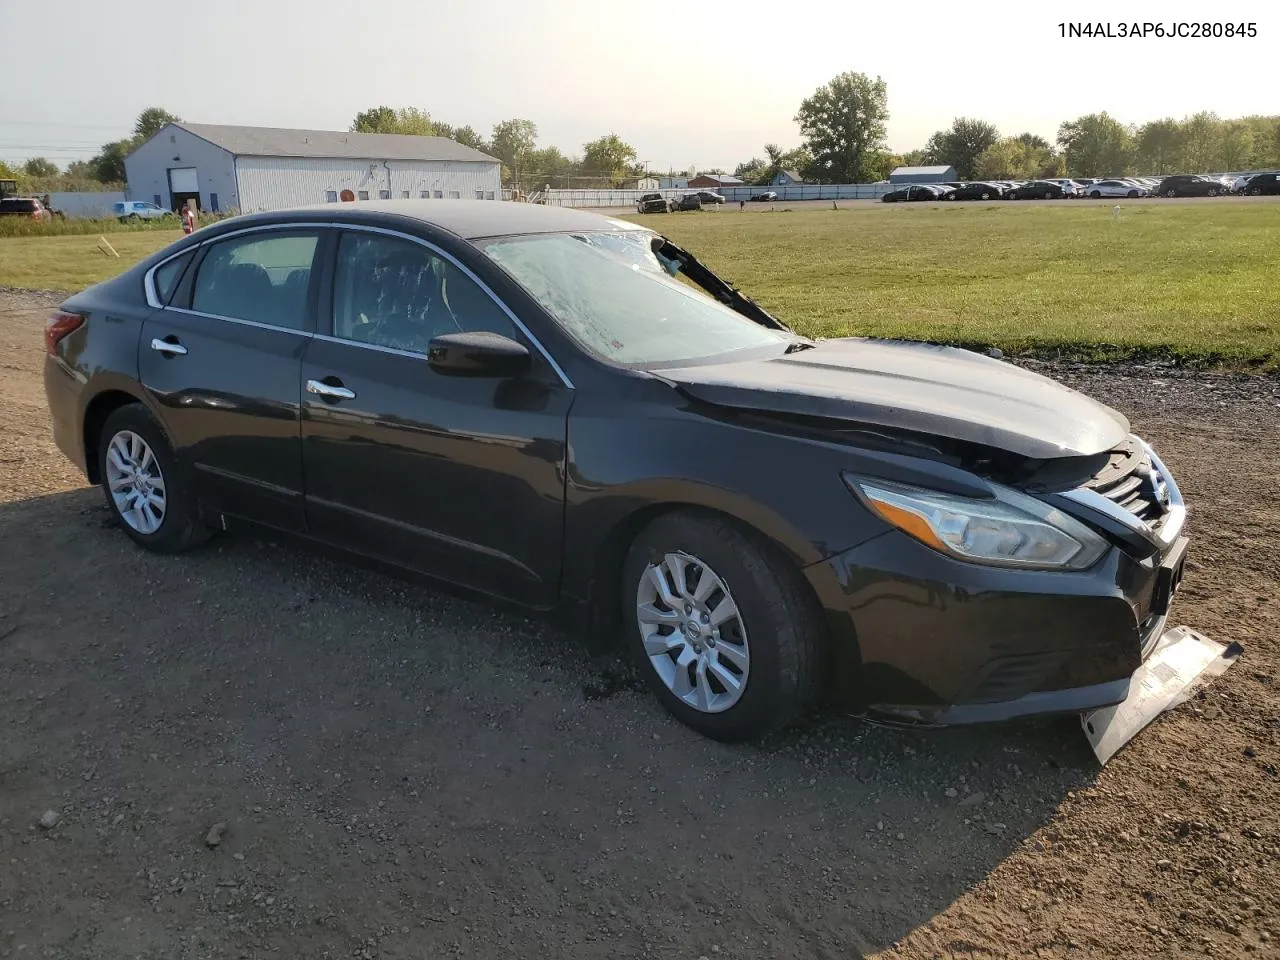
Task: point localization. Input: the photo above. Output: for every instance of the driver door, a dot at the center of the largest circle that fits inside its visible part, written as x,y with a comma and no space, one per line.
459,477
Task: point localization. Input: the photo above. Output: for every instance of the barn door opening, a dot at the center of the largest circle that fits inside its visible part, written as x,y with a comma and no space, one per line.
184,185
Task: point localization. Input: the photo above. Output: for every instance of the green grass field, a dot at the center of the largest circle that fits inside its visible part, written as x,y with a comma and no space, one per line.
1192,281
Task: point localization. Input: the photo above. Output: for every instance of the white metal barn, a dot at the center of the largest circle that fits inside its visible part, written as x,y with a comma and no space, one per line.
227,168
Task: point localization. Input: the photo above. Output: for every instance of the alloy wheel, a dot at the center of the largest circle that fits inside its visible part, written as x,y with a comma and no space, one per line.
136,482
693,633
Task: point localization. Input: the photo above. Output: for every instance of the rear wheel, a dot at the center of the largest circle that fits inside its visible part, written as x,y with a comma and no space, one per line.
144,489
1255,192
722,626
1096,195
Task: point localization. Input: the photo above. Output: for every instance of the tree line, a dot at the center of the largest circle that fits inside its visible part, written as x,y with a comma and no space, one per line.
843,130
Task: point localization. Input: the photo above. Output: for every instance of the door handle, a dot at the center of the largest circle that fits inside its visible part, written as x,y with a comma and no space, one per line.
322,389
170,348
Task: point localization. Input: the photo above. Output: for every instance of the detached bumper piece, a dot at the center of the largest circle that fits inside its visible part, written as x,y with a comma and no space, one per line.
1182,662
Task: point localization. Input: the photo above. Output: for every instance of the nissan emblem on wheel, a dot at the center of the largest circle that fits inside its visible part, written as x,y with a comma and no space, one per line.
535,402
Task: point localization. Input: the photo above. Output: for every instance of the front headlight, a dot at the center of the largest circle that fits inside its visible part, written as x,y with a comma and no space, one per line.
1009,530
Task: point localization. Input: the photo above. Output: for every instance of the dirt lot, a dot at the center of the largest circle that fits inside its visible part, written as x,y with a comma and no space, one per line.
403,773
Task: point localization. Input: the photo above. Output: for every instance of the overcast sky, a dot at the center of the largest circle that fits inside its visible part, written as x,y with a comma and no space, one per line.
706,85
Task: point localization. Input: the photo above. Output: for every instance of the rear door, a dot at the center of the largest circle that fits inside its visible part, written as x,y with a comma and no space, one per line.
459,477
222,362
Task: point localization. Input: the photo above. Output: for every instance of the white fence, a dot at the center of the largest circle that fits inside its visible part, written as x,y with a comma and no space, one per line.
795,191
812,191
85,204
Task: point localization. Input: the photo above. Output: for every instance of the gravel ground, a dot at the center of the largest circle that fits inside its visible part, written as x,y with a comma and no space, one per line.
258,750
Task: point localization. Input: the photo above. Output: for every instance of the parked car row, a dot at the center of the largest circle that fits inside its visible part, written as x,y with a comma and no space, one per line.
657,203
1179,185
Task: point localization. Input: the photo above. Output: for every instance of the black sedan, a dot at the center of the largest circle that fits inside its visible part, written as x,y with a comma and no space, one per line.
1262,184
977,191
916,193
526,401
1038,190
1184,185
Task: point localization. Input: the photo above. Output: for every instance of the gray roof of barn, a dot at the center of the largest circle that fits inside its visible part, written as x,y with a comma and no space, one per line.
919,171
284,142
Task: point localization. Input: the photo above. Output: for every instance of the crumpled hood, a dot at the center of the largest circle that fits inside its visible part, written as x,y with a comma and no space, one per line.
942,391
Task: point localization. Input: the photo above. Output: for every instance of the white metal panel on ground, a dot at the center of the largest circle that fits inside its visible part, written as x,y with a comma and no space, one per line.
86,204
275,183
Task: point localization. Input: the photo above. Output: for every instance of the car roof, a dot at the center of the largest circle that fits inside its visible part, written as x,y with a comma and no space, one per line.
473,219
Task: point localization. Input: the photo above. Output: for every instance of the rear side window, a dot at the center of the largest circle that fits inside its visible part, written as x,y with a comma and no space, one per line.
259,277
167,276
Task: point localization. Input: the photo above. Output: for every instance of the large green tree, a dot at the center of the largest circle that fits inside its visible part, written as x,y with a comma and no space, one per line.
1235,146
375,120
512,143
407,120
1201,135
39,167
1017,158
108,165
962,144
1096,145
1158,146
150,121
843,124
468,137
608,157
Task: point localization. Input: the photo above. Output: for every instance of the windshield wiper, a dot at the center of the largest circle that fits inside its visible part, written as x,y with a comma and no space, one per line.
731,297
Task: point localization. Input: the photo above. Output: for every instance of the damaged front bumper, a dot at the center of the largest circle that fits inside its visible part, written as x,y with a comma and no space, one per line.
937,641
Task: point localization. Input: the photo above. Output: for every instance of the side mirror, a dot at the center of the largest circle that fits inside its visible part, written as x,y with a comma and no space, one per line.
477,355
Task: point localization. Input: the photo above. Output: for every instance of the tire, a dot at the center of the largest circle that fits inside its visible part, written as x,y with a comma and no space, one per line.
1096,195
1171,193
986,196
777,631
1048,195
1255,192
1131,194
179,527
1212,192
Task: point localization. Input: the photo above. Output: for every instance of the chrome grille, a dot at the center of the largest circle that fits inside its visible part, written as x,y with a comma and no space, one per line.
1131,481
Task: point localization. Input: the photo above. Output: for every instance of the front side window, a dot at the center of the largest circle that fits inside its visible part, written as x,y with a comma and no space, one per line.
258,277
392,292
610,293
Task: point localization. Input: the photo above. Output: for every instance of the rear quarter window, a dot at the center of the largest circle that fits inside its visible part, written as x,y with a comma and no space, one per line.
168,275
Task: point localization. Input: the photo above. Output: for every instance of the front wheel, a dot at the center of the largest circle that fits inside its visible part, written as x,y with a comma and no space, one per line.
144,488
1171,193
1131,194
722,626
1212,192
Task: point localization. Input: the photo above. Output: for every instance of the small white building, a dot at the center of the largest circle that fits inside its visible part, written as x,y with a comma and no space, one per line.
247,169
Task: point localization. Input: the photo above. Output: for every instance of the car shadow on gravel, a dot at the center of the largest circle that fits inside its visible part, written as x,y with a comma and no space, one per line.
403,771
